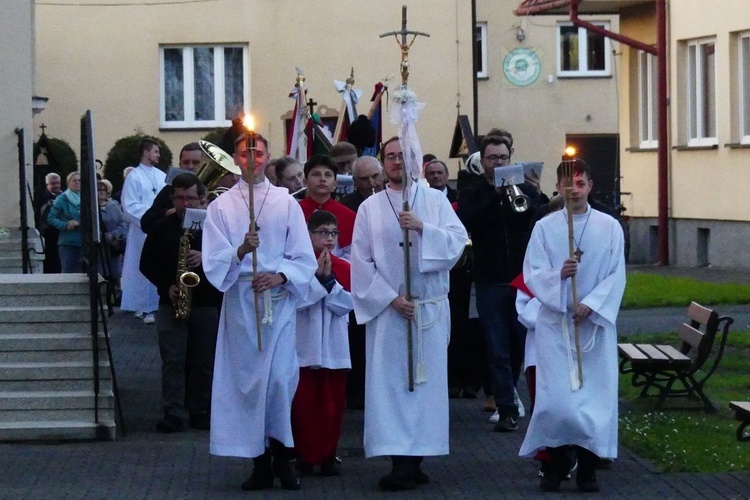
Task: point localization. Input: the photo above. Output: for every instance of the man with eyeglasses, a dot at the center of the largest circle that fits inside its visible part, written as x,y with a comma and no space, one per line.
499,236
187,347
402,423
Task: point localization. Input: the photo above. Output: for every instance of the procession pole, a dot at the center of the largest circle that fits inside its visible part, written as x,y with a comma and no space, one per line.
252,148
568,172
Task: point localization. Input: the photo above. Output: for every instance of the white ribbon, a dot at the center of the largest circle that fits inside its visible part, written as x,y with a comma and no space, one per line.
351,98
420,377
405,114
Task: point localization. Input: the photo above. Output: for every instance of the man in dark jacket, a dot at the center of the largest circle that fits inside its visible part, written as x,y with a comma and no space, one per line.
192,341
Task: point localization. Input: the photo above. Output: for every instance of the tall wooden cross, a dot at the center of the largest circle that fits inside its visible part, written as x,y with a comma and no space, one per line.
404,44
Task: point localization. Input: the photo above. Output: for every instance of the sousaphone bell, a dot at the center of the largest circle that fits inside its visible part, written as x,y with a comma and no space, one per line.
217,164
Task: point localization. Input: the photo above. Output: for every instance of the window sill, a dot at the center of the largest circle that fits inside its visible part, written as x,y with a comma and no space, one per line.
642,150
192,128
586,76
695,148
737,145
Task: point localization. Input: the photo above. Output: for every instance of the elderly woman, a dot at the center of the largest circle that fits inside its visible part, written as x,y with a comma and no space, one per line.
114,230
65,216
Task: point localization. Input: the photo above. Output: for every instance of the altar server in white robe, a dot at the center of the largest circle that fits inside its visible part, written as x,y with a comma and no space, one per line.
138,193
252,388
405,425
565,414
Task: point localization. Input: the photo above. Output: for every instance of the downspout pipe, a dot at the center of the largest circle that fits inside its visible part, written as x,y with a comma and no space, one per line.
660,51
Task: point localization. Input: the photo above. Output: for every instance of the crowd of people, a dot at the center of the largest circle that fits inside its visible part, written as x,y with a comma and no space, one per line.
301,303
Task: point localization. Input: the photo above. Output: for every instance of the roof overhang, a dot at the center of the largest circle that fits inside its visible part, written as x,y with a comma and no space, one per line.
562,7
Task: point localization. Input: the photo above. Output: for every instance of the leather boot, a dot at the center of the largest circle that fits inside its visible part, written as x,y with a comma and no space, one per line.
557,470
262,476
419,476
283,466
586,476
401,476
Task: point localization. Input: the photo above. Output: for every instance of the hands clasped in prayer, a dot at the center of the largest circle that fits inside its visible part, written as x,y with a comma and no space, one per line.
324,264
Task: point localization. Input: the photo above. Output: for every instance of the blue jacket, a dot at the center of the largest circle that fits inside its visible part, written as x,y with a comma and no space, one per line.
62,211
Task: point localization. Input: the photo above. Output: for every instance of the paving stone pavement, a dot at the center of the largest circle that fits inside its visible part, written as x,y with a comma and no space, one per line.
146,464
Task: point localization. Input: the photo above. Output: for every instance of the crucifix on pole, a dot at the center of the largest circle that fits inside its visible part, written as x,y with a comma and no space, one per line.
404,44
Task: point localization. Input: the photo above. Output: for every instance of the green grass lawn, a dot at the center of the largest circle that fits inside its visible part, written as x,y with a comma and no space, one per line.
679,440
650,290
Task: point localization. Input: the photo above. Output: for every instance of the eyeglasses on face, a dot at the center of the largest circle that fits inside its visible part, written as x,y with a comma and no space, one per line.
394,157
497,158
324,233
186,198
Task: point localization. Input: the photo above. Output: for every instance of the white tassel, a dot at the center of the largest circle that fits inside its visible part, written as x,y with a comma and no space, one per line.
267,308
421,376
575,382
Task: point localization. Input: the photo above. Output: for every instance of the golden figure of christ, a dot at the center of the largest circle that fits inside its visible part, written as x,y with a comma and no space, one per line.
404,44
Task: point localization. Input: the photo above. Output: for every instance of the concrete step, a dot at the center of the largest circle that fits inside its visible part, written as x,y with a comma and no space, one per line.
79,430
50,356
50,314
83,384
52,300
55,400
44,284
48,328
8,416
49,342
52,371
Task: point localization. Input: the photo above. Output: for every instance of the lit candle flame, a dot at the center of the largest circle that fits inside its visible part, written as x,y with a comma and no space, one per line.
570,151
249,122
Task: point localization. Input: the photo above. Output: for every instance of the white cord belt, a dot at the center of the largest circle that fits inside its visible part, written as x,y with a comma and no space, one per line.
420,377
269,297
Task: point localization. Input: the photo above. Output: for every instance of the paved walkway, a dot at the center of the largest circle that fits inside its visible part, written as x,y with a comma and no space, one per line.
146,464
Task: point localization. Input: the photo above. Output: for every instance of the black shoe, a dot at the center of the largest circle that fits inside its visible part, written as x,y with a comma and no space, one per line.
303,468
288,477
420,477
550,481
586,474
170,424
200,421
507,424
262,476
331,466
397,480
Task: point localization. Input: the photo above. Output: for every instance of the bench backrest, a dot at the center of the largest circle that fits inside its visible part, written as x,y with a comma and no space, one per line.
698,336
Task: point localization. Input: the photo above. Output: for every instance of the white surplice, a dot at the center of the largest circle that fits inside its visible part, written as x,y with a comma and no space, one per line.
399,422
322,328
138,194
527,308
586,417
252,390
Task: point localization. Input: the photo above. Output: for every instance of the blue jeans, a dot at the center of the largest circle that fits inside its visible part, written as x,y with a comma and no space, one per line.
70,258
504,338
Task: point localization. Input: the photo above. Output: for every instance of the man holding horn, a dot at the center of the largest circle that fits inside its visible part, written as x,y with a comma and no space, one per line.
253,387
571,409
407,425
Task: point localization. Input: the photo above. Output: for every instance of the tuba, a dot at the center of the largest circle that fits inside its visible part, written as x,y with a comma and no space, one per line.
186,280
217,164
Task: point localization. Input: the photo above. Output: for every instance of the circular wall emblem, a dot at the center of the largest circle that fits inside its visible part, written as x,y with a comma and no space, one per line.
522,67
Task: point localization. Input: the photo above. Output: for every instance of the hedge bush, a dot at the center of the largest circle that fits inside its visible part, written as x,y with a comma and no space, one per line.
125,154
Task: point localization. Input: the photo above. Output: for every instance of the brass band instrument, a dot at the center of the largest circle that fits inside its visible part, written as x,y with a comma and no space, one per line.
519,202
217,164
186,280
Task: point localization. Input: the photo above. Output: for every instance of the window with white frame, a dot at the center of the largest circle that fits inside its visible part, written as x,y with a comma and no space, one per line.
202,85
582,53
480,49
647,97
701,92
744,77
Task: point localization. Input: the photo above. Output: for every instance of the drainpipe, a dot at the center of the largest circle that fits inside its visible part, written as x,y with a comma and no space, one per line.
660,51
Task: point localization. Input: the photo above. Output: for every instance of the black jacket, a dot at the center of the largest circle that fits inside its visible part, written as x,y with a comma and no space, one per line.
158,210
499,235
159,262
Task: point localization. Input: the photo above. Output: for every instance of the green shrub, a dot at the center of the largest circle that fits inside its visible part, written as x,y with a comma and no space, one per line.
125,154
62,159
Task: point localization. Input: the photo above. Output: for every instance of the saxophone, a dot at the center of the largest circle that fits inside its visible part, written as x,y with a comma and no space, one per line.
185,280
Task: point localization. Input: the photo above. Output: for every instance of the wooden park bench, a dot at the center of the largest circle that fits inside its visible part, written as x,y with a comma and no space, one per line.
741,413
659,367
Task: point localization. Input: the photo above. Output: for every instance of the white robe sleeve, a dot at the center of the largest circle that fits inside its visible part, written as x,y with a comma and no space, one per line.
443,243
604,300
542,278
219,255
132,195
299,262
527,308
339,301
315,292
371,292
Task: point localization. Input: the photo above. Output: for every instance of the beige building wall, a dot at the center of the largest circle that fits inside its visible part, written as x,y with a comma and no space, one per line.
106,58
541,114
16,82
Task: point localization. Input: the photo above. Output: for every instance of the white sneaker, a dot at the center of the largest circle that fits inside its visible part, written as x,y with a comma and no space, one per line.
149,319
519,404
139,315
495,418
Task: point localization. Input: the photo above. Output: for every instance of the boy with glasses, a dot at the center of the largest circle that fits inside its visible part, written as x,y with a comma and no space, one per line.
323,353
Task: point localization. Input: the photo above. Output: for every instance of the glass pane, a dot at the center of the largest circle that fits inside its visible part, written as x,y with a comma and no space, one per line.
653,75
478,66
596,55
708,60
745,82
643,95
568,48
692,94
203,79
174,88
234,80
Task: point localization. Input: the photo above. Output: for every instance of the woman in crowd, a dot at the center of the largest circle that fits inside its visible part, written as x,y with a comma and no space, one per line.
65,216
114,231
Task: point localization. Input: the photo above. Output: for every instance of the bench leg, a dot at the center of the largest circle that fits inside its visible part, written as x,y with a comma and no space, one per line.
741,434
694,387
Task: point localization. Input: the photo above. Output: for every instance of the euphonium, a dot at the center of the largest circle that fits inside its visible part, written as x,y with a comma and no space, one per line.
519,202
185,279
